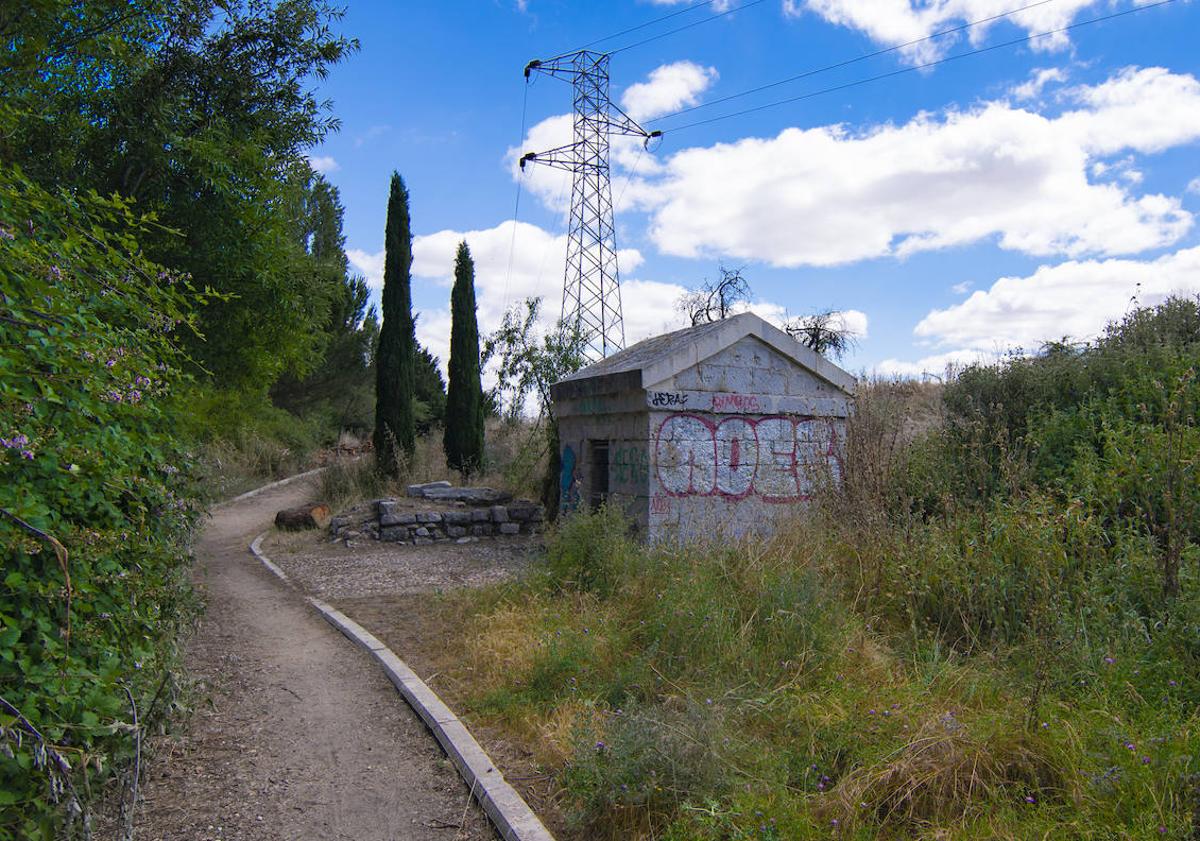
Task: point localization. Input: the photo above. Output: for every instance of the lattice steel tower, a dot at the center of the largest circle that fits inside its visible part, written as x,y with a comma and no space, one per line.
591,287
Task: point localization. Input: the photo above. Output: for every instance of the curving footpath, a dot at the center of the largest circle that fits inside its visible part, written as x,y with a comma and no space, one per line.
296,733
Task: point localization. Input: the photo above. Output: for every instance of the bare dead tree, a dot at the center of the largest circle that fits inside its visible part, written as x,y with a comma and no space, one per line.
715,301
825,332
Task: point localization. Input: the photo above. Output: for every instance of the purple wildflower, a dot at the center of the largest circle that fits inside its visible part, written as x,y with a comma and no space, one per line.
600,746
1109,660
1029,798
27,454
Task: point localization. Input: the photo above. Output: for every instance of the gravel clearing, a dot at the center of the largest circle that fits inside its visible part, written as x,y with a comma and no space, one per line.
330,570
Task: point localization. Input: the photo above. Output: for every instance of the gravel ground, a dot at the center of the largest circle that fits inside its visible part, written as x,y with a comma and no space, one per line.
333,571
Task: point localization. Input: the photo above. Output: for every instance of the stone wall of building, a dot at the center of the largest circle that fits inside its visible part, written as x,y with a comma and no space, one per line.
724,447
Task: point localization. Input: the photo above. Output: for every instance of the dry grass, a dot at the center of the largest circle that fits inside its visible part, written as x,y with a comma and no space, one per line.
944,774
502,647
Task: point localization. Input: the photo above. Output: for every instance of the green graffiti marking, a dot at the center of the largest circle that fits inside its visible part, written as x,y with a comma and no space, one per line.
631,465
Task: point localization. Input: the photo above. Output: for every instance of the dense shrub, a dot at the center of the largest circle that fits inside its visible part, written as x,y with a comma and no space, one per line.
976,635
93,510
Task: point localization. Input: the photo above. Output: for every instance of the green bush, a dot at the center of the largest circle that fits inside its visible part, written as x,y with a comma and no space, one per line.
589,551
94,512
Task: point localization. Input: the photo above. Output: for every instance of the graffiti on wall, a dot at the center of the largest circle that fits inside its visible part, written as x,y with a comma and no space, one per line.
631,465
736,403
775,458
664,399
568,486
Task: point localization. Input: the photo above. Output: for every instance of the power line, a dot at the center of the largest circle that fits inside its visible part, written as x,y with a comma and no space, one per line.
647,23
924,66
686,26
849,61
512,245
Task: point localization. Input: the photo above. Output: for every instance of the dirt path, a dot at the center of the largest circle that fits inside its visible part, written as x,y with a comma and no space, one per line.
296,735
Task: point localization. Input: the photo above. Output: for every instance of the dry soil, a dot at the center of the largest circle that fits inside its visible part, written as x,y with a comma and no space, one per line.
296,733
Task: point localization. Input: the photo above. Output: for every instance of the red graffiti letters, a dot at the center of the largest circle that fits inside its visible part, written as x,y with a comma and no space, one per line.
736,403
776,458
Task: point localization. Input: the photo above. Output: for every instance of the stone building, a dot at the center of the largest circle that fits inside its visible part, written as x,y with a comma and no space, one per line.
714,430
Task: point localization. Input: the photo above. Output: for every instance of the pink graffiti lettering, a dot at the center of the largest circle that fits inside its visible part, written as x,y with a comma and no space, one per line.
775,458
735,403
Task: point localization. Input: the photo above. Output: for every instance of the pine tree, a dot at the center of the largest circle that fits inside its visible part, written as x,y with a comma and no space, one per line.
463,440
395,361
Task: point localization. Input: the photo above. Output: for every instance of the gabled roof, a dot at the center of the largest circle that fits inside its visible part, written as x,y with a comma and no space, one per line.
662,357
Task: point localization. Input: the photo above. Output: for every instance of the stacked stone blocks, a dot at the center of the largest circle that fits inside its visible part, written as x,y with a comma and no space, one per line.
387,520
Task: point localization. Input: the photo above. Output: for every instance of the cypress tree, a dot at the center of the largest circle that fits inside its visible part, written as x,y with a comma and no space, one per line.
395,360
463,439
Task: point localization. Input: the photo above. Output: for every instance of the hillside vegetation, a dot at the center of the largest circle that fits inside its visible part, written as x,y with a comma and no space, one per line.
990,630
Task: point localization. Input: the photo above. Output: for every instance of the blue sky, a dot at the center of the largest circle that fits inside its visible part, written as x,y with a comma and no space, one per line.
1017,196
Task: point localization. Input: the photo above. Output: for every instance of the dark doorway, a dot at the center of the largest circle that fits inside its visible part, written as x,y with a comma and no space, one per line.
599,473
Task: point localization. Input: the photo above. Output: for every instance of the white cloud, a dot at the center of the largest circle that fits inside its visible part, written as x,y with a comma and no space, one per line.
368,265
1194,186
852,322
538,258
962,288
716,5
1075,299
669,88
323,164
826,195
1032,89
935,366
1138,109
896,22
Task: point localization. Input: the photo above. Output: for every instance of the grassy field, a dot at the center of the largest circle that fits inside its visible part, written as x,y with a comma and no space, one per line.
990,630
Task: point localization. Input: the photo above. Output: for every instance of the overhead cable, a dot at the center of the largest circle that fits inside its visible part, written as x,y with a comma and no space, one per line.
917,67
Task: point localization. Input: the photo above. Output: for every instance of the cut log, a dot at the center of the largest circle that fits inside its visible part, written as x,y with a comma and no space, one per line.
312,516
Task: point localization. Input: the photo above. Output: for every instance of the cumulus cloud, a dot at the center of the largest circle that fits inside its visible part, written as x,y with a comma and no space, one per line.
716,5
1038,80
538,258
896,22
827,195
1075,299
669,88
932,366
323,164
369,265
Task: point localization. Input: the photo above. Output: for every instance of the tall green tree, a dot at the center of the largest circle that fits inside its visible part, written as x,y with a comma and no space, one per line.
339,391
430,409
463,439
202,112
395,360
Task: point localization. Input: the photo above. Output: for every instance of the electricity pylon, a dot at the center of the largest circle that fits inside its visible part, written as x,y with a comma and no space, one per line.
591,287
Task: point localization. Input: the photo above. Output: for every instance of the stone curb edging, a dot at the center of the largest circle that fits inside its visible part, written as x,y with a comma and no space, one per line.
508,811
268,487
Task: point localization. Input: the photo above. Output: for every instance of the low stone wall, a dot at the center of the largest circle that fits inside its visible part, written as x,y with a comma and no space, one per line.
392,521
